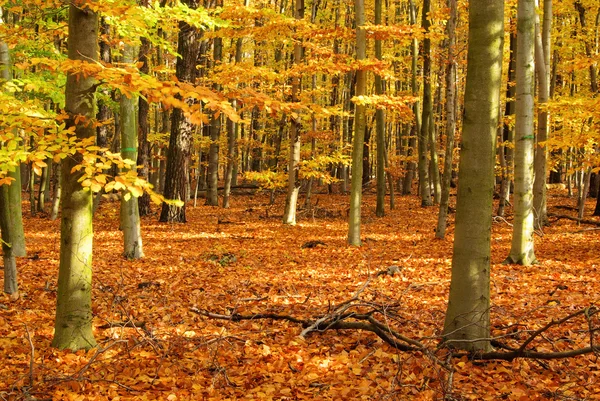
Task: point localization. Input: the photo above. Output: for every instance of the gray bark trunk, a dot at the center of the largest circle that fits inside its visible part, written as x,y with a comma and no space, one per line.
467,324
73,325
359,130
522,246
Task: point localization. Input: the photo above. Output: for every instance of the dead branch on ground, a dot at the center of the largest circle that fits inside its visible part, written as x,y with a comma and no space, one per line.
360,314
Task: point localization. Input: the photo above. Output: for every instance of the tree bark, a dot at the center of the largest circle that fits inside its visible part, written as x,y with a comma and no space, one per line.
450,119
522,247
424,189
359,129
143,156
467,324
130,216
542,66
380,124
291,201
212,193
73,325
181,137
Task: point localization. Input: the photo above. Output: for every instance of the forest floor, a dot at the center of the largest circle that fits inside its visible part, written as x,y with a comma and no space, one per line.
244,260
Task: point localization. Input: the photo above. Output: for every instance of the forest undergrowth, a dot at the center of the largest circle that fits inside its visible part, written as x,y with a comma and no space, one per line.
154,344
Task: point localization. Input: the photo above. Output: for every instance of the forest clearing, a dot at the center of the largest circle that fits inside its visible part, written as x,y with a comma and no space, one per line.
244,260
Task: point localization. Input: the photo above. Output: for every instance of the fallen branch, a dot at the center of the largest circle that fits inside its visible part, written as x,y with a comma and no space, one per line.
577,219
357,314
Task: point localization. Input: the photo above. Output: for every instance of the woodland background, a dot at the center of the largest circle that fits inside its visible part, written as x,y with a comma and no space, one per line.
251,123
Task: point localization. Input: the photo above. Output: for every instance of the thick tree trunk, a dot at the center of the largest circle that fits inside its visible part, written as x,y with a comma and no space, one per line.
522,247
467,324
181,137
73,325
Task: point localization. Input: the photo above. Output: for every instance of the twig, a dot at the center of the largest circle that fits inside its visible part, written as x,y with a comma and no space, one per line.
32,356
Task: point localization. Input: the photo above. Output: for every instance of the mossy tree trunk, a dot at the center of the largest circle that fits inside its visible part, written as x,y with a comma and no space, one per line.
73,325
467,324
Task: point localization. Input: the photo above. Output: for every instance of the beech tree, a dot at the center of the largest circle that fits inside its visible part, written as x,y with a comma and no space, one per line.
522,246
359,129
73,325
130,215
467,324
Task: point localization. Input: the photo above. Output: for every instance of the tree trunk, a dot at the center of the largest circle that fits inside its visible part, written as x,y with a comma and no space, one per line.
380,124
57,195
232,136
73,325
291,201
11,285
522,247
423,130
507,129
130,216
450,119
467,324
542,65
143,157
181,137
359,129
212,193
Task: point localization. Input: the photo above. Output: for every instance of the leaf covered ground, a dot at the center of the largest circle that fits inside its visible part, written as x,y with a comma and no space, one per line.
154,346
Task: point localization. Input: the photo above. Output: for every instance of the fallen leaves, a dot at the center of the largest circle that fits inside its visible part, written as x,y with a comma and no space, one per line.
260,266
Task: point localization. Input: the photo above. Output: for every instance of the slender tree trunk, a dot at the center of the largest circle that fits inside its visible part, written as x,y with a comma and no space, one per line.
232,135
542,65
291,201
73,325
41,200
359,129
467,324
380,124
522,247
57,195
11,285
144,157
507,129
450,119
212,193
130,216
424,190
